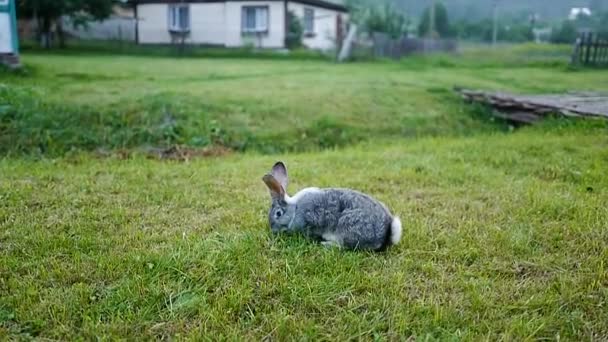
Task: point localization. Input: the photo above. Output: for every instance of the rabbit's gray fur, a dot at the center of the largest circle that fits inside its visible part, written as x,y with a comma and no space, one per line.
341,217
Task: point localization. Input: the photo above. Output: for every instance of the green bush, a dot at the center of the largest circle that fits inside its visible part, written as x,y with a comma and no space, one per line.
565,34
387,20
514,32
373,18
442,22
295,31
90,47
28,125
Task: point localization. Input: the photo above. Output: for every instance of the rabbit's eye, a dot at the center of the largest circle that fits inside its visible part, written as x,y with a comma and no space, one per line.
279,213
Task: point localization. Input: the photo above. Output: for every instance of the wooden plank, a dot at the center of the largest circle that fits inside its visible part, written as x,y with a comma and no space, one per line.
572,104
519,117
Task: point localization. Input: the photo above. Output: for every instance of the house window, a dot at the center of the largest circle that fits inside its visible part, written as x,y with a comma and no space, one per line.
309,21
179,18
255,19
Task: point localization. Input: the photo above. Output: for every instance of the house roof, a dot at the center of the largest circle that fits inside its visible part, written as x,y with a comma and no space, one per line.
317,3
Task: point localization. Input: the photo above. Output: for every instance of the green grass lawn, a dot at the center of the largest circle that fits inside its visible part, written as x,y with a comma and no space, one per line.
505,232
84,103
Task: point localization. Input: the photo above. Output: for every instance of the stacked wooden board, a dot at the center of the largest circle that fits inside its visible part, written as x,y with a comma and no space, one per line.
531,108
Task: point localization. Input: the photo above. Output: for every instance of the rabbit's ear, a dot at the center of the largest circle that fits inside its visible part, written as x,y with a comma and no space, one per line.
277,192
279,172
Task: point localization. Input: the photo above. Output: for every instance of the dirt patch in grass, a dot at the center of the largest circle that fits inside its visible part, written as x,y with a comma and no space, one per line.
173,153
184,153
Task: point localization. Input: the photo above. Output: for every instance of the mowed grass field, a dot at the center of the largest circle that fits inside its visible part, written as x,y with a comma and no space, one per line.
505,231
269,106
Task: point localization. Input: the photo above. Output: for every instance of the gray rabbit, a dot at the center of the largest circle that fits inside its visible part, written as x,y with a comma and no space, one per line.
335,217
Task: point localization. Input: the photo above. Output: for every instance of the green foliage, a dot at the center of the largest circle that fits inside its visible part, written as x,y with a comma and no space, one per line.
30,126
442,26
514,34
513,31
565,34
569,29
386,19
374,17
600,23
49,12
295,31
474,31
113,48
53,9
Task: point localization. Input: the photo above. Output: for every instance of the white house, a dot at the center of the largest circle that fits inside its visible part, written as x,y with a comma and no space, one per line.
261,23
9,43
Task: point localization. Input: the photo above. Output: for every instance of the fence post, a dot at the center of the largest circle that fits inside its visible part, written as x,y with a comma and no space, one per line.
596,45
576,54
347,45
588,44
605,49
581,57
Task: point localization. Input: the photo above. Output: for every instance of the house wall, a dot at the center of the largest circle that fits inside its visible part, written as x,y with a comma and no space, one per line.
9,42
207,24
325,26
213,23
153,24
276,25
6,42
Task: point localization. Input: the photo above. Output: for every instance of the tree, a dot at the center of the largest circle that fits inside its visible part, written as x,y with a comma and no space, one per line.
49,12
372,18
565,34
295,30
387,20
442,23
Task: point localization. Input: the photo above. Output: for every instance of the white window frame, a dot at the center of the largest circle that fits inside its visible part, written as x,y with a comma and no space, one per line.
262,13
174,18
309,14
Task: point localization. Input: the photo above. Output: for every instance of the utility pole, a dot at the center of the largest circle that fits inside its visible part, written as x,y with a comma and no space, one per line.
495,23
432,18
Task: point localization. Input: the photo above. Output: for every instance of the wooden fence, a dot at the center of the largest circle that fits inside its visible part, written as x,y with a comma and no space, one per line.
385,46
590,49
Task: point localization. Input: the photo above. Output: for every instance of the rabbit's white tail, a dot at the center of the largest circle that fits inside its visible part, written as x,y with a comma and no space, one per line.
396,230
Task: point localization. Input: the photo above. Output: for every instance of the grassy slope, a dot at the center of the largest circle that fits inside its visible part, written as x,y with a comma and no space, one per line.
122,101
505,238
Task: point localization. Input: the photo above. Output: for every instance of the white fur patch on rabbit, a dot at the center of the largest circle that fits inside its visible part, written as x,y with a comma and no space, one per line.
331,240
300,194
